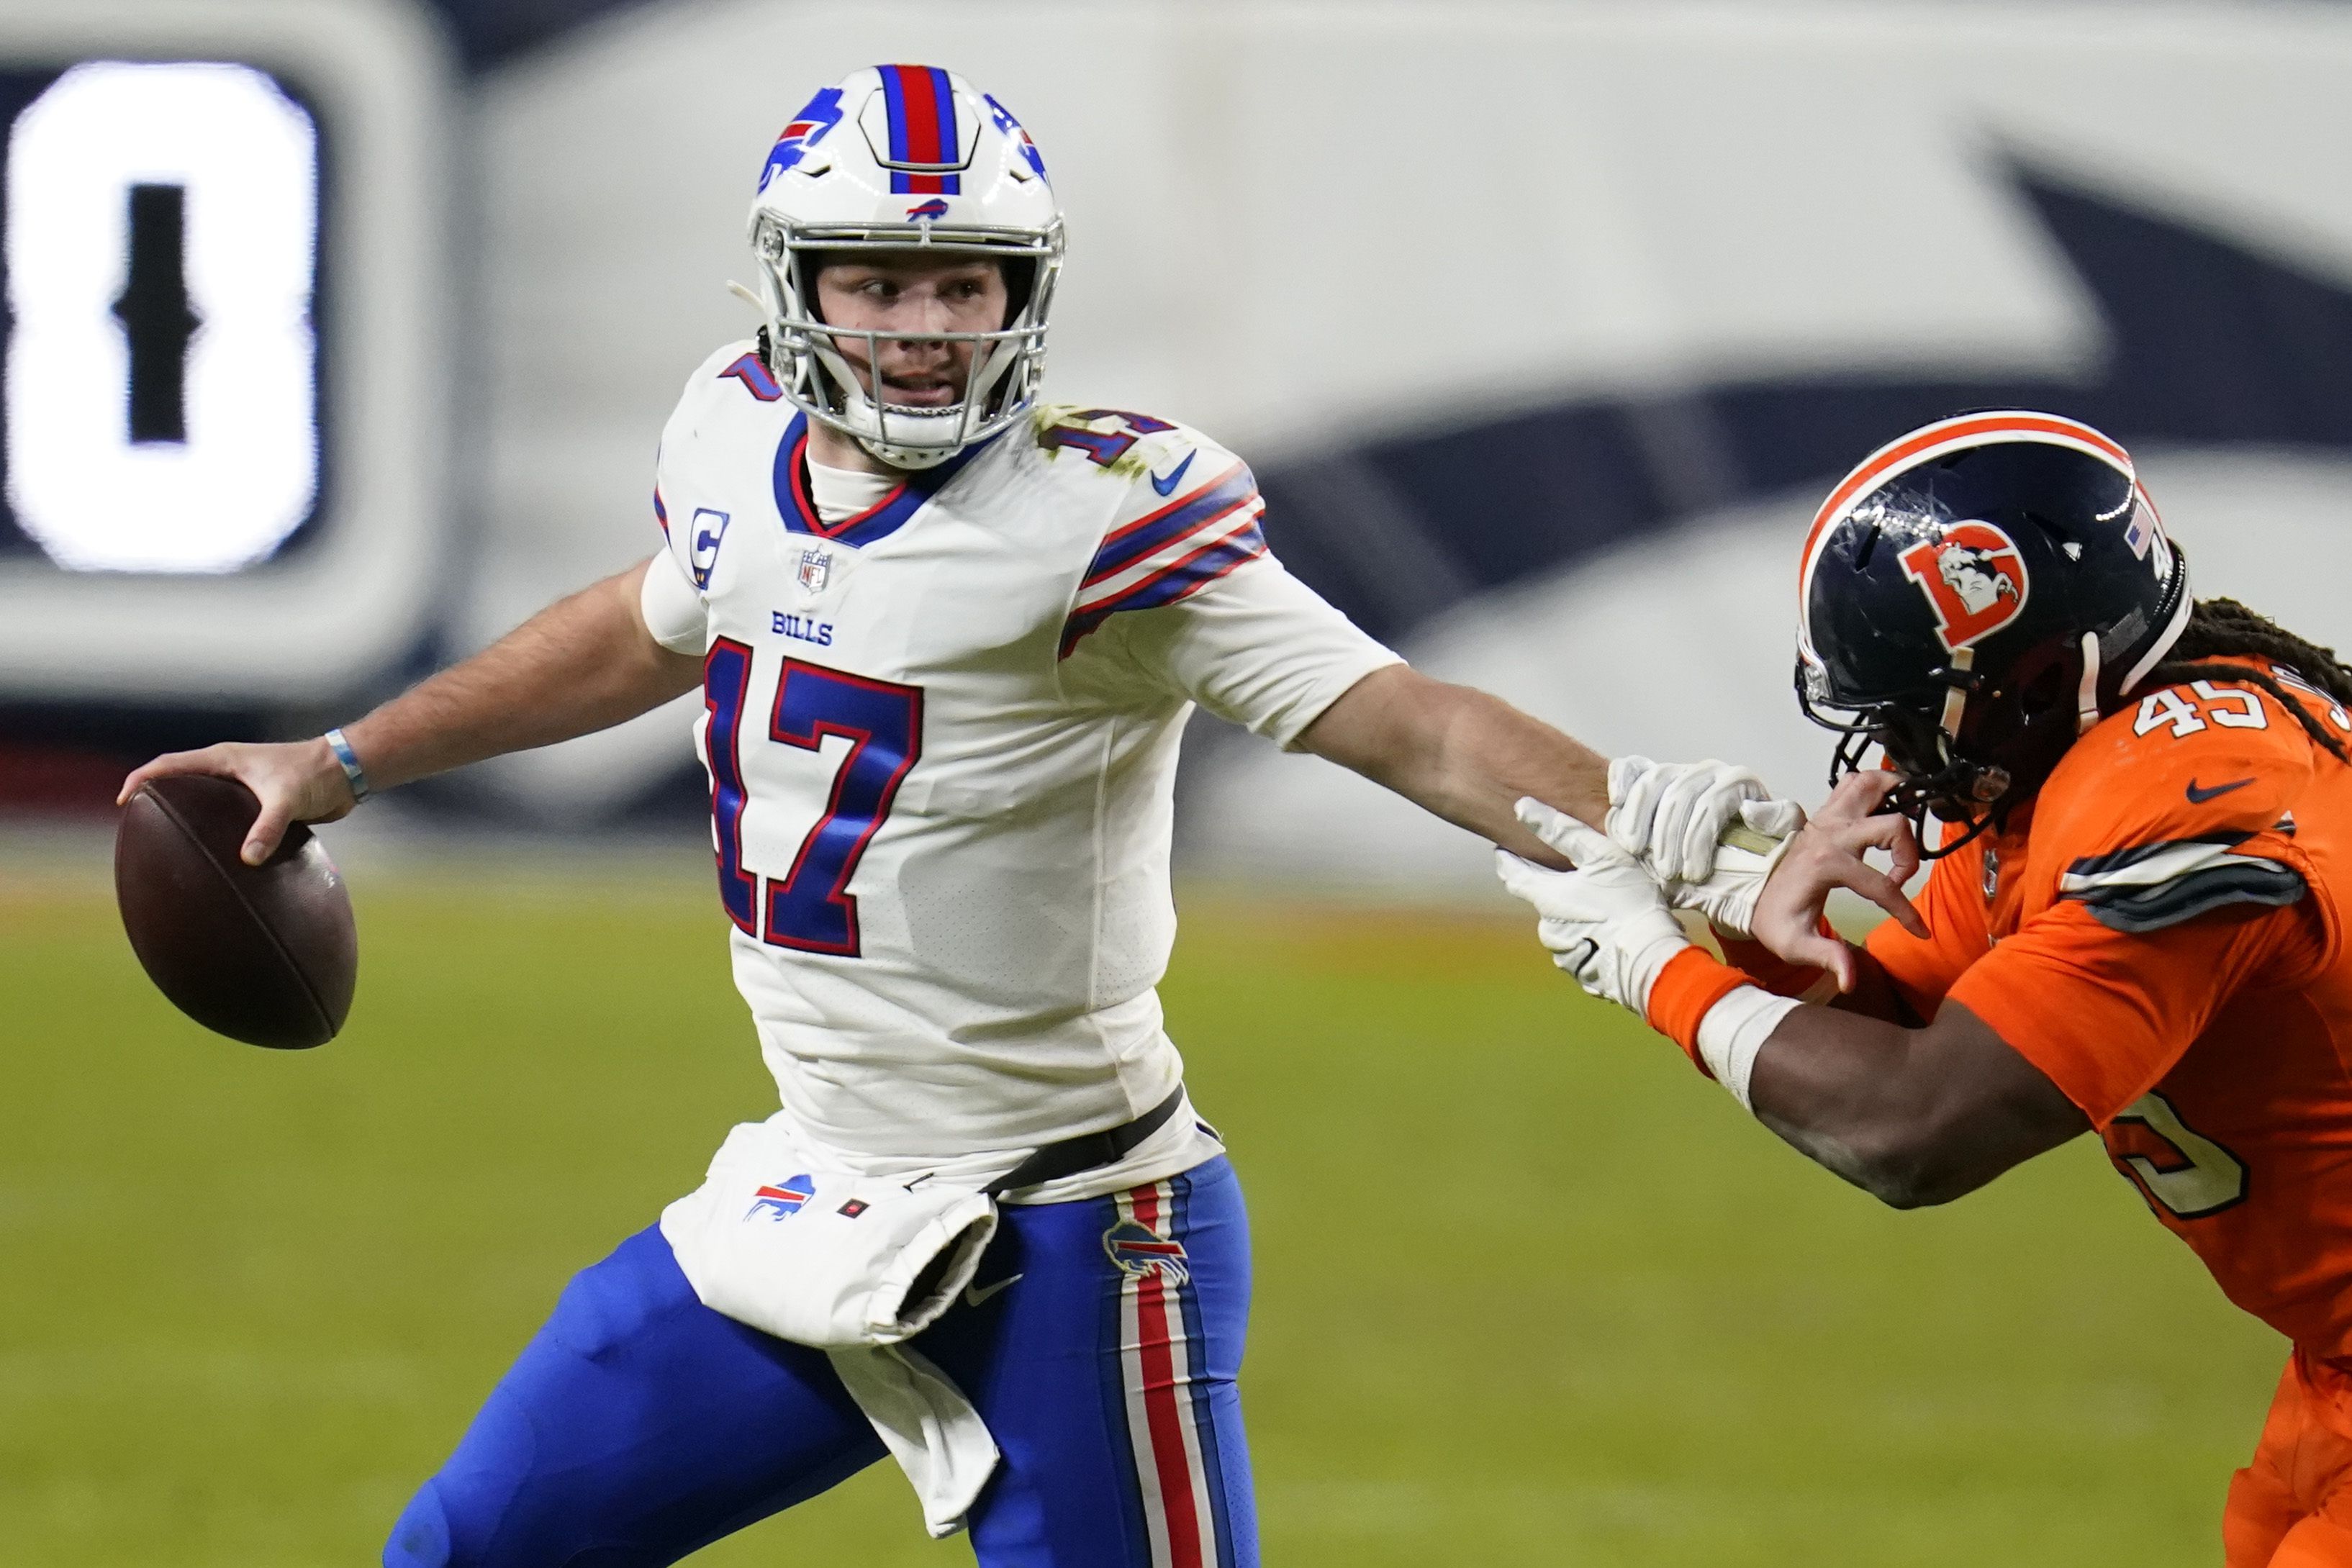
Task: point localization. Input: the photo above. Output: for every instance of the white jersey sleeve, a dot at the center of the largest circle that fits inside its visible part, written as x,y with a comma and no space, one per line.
1256,647
1183,600
672,609
673,595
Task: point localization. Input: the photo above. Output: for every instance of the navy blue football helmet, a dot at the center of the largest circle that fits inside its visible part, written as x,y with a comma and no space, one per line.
1974,596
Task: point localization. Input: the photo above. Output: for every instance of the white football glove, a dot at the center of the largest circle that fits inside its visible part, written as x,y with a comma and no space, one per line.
1709,831
1606,922
1608,925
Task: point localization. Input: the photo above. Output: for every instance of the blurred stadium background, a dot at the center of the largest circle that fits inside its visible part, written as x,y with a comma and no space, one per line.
1544,326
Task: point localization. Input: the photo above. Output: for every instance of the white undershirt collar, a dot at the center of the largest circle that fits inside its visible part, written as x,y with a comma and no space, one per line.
840,494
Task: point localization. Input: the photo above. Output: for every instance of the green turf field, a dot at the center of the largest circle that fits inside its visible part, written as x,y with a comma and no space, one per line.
1530,1291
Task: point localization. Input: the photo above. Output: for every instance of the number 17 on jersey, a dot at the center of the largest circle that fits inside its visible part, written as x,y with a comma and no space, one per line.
809,906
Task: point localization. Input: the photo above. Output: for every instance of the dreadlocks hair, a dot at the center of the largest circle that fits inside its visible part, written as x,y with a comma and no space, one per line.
2221,633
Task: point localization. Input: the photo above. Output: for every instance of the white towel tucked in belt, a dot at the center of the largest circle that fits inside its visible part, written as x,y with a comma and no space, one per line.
850,1265
930,1427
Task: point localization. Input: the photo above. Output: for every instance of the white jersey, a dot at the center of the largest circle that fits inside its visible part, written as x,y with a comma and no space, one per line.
941,736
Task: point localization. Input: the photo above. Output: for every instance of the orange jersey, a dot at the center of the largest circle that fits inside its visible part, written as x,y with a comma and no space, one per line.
2160,934
2291,1508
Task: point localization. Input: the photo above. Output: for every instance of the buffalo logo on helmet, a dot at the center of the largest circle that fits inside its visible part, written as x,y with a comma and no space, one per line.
930,211
1139,1251
1973,576
806,130
1014,129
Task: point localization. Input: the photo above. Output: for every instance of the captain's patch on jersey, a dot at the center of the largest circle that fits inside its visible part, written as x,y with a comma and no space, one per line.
710,532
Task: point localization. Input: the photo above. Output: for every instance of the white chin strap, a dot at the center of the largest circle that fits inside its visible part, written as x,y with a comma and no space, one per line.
2163,644
908,422
1956,698
883,430
938,433
908,456
2086,695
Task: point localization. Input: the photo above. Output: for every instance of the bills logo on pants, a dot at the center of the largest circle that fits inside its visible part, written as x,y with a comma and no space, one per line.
1157,1348
1139,1253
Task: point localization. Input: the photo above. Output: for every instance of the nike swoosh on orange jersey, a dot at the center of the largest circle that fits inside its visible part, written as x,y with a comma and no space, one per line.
2198,797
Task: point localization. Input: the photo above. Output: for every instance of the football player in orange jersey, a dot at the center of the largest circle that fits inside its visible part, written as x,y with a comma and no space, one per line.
2131,926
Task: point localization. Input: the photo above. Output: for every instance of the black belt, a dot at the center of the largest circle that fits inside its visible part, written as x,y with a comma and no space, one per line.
1088,1150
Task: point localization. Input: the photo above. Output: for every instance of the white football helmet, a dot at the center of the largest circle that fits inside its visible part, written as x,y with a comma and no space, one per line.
897,158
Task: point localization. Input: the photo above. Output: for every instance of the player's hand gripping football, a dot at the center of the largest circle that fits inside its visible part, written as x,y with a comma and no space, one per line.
297,781
1709,831
1717,844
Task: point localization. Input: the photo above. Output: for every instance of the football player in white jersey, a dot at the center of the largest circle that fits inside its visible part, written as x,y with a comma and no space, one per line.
948,639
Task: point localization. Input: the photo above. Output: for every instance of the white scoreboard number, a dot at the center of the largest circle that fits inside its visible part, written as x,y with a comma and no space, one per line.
162,252
223,378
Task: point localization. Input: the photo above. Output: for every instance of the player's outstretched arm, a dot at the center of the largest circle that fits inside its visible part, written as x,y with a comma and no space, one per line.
583,664
1469,757
1461,754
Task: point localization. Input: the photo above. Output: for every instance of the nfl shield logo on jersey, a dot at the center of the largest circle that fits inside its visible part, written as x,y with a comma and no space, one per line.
816,569
710,530
782,1200
1138,1251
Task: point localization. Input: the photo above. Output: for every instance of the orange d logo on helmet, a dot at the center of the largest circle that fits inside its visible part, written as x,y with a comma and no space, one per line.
1973,576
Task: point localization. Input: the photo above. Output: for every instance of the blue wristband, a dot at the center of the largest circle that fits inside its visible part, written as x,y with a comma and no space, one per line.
351,761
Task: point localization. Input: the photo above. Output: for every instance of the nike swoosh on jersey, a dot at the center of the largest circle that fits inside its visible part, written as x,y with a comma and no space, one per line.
2198,797
1167,485
975,1294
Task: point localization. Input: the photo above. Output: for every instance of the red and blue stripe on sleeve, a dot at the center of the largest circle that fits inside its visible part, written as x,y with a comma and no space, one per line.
1171,554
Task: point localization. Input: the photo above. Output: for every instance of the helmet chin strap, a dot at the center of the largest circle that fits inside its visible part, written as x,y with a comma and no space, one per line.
859,407
910,457
1955,697
899,454
2086,695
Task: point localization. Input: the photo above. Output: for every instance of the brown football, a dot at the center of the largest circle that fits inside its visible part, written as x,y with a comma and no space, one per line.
267,954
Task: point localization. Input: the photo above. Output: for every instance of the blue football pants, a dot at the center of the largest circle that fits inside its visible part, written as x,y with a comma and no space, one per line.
640,1426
